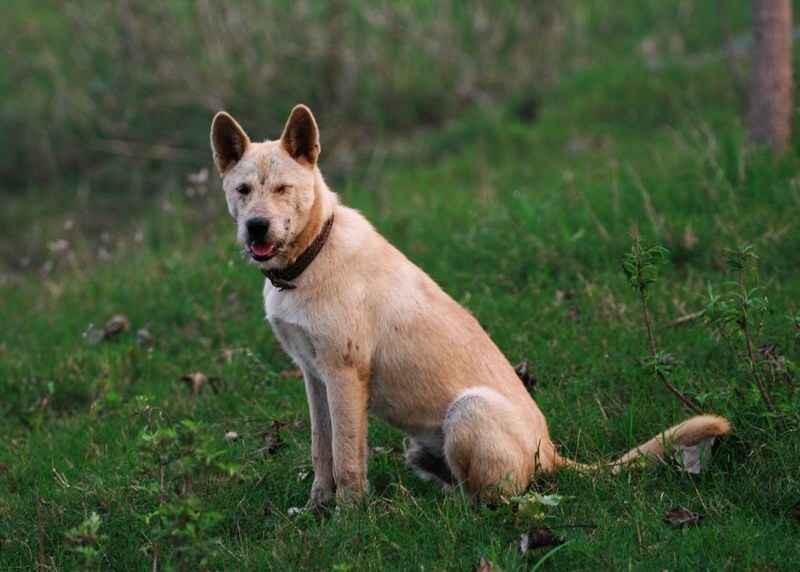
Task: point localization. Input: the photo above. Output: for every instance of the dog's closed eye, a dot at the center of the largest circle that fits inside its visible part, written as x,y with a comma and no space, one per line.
280,189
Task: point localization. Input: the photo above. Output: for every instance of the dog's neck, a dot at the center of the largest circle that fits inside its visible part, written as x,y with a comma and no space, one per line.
310,241
282,278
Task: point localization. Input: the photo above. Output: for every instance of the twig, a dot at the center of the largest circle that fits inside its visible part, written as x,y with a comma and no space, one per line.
762,389
686,318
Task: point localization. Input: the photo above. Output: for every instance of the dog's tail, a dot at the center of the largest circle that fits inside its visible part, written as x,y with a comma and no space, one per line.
688,433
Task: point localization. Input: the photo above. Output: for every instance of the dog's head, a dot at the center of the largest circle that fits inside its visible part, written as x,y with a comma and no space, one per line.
269,186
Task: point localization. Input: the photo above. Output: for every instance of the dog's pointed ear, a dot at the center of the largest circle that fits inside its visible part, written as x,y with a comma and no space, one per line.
228,141
301,137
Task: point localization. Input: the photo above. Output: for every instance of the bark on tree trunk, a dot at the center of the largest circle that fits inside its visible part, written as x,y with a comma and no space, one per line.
772,90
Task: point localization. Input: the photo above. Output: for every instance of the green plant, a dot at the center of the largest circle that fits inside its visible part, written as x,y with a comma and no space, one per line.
639,265
173,459
86,541
740,308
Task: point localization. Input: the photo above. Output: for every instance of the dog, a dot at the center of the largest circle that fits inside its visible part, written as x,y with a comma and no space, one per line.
373,333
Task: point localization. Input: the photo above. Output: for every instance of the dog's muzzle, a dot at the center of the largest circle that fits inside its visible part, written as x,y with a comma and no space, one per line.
258,245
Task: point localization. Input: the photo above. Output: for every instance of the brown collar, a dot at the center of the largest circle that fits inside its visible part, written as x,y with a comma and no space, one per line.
282,278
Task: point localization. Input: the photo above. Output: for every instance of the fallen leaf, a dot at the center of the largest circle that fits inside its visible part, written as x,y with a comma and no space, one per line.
231,435
378,450
194,381
695,459
117,324
215,383
681,517
199,177
486,566
291,373
272,439
144,338
294,511
537,537
114,326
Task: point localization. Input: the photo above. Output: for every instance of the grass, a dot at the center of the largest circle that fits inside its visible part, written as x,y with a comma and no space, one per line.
504,213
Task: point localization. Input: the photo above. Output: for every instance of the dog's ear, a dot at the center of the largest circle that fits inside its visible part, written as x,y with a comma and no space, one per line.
301,137
228,141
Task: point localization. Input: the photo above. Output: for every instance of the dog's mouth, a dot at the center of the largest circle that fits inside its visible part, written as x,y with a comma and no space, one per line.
261,251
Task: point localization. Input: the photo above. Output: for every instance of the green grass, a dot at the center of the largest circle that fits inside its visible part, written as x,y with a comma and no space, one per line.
503,213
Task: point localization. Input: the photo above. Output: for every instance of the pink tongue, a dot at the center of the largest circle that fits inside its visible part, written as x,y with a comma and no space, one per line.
262,248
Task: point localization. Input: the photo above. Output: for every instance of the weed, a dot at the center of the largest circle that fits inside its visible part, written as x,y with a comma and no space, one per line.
639,265
174,458
740,308
85,540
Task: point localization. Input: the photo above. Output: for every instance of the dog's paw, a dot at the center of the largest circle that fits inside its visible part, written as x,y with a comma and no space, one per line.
321,496
352,497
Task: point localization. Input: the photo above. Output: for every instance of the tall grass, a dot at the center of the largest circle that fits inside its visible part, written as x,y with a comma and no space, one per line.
140,80
85,82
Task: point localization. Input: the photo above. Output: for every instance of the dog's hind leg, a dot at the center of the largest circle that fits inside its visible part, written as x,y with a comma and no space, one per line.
426,457
486,445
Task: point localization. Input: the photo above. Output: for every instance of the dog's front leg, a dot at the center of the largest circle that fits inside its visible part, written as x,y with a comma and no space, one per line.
347,398
321,451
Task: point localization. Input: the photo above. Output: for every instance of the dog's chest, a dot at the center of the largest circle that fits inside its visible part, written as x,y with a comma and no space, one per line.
297,342
289,324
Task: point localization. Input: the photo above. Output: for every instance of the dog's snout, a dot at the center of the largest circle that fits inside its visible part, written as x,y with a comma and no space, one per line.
257,227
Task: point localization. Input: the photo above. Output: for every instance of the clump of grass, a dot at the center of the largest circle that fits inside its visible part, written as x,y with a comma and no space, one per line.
639,265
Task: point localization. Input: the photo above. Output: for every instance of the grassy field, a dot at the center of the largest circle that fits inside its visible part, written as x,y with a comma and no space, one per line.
524,222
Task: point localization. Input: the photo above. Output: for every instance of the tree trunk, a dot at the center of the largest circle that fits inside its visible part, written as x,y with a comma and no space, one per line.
772,90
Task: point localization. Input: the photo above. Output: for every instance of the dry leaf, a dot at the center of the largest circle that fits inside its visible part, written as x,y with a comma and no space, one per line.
681,517
486,566
272,439
216,384
537,537
291,373
194,381
144,338
117,324
114,326
695,459
231,435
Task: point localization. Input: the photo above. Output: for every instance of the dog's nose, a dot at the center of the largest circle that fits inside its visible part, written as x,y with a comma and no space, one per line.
257,227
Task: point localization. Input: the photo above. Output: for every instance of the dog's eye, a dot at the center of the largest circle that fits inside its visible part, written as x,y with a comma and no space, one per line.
282,189
243,189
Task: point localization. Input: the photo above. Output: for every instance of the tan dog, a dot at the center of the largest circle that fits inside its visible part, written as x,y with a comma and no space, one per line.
372,332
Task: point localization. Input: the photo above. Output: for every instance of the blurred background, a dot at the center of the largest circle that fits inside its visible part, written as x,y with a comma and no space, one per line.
106,105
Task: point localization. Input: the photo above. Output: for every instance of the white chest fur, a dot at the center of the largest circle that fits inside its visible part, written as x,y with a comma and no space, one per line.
289,322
